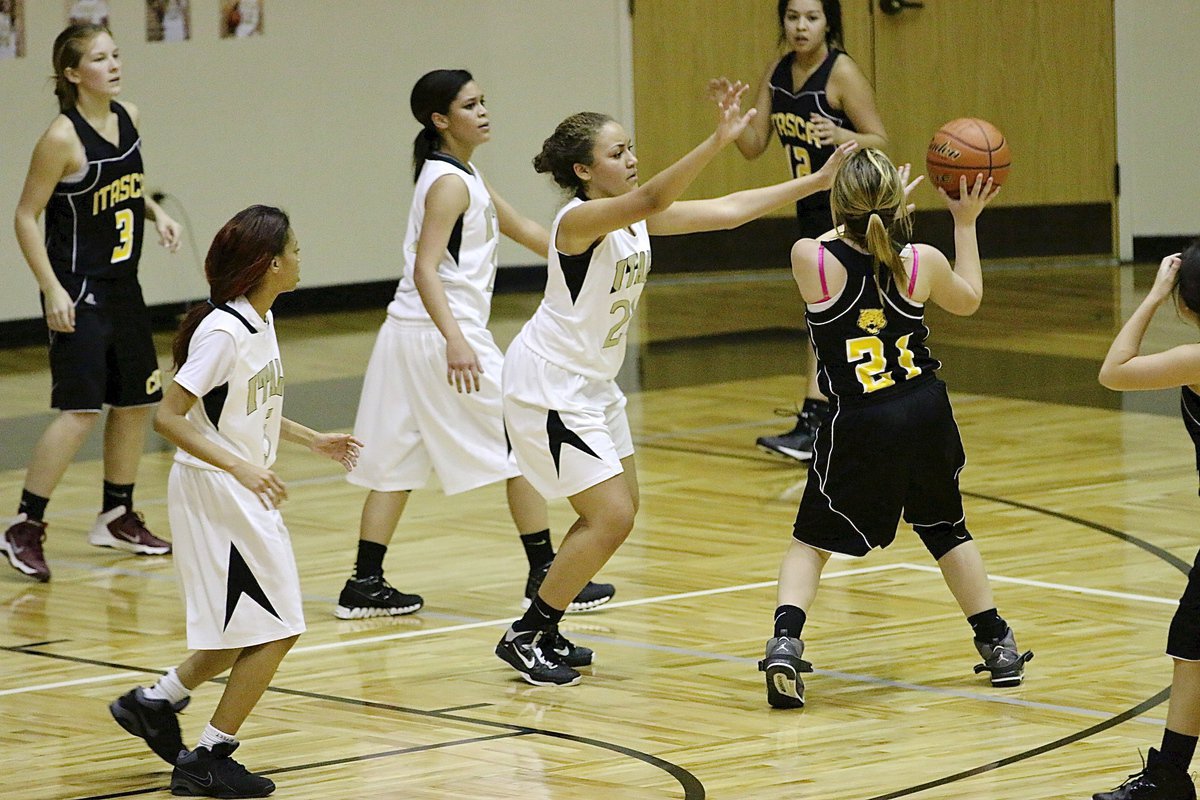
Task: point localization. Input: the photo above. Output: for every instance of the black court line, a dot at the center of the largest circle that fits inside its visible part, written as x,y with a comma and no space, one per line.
462,708
1124,716
331,763
693,789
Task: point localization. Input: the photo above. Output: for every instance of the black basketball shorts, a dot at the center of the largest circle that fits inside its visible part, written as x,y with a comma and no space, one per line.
873,462
109,358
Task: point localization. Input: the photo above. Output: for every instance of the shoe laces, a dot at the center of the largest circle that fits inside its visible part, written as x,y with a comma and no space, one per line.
543,647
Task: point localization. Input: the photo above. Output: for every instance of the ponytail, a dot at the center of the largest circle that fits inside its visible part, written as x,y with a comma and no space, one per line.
432,94
426,141
880,244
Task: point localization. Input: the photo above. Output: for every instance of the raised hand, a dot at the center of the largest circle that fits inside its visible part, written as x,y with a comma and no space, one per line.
905,171
1164,281
829,168
728,97
970,202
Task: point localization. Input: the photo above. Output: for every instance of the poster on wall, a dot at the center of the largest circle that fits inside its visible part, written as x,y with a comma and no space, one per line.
88,12
241,18
12,29
168,20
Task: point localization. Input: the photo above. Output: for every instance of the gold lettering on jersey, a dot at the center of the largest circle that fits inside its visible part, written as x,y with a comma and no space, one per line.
792,126
872,320
266,383
120,190
631,271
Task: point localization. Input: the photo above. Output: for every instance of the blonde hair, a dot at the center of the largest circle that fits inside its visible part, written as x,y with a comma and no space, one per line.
867,200
69,49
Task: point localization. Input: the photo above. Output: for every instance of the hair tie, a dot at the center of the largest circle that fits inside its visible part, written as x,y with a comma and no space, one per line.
210,303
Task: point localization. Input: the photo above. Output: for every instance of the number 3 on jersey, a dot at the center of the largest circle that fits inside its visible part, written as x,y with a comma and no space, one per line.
124,248
872,368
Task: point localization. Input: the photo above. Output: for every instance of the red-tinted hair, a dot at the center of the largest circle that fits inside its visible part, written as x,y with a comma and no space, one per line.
237,260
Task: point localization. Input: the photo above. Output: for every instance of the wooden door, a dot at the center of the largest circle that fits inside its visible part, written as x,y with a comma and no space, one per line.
1042,71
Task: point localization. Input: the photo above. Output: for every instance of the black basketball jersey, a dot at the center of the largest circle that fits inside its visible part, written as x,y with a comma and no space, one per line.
1189,407
790,112
869,341
94,226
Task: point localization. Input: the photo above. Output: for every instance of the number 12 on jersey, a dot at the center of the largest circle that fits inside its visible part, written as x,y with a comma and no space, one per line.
872,367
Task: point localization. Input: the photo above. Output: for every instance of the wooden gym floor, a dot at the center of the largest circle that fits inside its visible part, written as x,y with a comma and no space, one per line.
1079,499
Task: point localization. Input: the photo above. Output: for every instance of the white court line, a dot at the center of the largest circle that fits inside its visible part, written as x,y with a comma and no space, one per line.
1062,587
78,682
624,604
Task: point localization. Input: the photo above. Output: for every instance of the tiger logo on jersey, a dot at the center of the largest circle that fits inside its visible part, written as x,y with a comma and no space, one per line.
872,320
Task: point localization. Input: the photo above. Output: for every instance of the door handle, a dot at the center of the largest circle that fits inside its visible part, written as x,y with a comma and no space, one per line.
892,7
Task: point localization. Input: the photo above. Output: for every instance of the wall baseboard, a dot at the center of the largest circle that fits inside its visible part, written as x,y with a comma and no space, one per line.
1005,232
305,300
1153,248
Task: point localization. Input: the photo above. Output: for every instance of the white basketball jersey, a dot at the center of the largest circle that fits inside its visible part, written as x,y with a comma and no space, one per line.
582,322
468,265
233,367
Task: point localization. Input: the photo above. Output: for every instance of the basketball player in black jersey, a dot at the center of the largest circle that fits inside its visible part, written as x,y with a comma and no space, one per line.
813,99
86,173
1165,775
890,444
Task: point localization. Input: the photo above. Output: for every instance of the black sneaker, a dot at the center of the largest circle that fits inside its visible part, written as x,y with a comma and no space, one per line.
1002,659
796,443
374,597
214,773
783,666
527,652
152,720
573,655
592,597
1158,780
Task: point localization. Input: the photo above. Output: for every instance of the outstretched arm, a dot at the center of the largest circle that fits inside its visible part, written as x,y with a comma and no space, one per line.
589,221
518,227
341,447
720,213
1124,369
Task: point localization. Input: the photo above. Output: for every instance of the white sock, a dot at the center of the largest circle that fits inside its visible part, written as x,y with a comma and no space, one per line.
169,687
213,737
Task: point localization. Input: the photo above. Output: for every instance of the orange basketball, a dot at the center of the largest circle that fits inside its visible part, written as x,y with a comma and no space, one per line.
967,146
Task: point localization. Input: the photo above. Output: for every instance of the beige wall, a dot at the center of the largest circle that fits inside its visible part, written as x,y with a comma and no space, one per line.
314,117
1158,97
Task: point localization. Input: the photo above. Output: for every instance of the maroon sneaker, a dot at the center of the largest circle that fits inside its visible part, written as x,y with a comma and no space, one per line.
126,530
22,543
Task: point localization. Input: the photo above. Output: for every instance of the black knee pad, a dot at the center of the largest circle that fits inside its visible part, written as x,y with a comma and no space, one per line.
943,537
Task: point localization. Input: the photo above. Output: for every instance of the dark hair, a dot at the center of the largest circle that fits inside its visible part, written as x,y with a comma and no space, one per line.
570,144
868,198
237,260
833,21
1187,285
432,94
70,47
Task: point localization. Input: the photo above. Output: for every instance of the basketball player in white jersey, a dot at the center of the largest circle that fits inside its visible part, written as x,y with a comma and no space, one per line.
564,412
235,563
431,396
